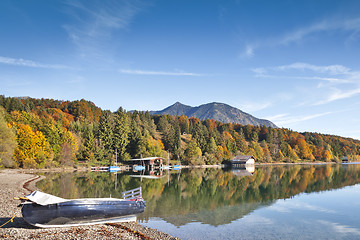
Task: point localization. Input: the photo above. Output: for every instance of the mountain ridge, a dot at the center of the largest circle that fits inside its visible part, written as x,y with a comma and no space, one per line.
218,111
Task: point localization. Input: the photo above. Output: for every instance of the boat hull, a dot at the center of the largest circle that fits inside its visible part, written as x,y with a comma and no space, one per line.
81,212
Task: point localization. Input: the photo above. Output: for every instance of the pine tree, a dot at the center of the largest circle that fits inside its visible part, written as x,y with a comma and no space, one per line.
105,135
121,133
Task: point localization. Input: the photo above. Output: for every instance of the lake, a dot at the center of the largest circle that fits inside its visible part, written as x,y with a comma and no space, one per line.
268,202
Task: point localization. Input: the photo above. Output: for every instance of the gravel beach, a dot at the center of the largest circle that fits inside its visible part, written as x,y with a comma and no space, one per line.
17,183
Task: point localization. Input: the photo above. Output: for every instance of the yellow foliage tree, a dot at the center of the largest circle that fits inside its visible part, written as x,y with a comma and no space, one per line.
33,150
327,155
153,147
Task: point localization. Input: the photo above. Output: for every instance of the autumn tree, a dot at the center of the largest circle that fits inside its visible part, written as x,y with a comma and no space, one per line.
7,142
33,150
192,152
153,147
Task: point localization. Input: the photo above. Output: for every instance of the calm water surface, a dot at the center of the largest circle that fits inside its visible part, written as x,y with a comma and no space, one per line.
269,202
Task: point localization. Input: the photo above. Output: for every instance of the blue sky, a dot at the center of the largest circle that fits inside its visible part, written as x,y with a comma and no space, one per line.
295,63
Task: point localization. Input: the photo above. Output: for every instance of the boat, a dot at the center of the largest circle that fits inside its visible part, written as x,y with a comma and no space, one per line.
176,167
114,168
44,210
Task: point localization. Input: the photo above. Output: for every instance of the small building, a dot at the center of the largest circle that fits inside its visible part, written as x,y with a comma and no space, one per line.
345,159
241,160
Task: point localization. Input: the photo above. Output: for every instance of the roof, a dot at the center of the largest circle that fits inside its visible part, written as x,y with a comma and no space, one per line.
240,158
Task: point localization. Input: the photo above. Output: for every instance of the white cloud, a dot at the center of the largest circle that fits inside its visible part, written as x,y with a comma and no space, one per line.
142,72
28,63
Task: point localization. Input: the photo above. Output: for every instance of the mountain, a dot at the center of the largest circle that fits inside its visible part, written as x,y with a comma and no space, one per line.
217,111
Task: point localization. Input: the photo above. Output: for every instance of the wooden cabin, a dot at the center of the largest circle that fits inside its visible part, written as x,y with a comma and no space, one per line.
241,160
345,159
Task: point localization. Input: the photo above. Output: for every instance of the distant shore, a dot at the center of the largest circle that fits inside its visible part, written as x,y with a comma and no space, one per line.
19,182
85,168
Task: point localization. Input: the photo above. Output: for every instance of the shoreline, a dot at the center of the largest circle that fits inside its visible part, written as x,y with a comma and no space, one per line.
20,182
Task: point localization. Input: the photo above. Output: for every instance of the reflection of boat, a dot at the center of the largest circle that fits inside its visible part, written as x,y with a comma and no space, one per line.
44,210
165,167
99,169
146,176
139,168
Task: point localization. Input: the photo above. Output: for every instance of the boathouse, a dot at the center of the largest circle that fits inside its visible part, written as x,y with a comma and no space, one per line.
149,163
241,160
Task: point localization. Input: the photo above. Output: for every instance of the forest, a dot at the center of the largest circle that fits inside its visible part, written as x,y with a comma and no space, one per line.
46,133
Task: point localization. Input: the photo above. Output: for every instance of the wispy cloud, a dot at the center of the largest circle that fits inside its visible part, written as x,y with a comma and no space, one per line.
95,21
248,51
175,73
338,94
254,106
350,29
330,69
286,119
335,82
348,25
28,63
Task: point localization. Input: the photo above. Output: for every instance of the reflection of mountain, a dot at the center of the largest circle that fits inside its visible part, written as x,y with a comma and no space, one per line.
211,196
219,216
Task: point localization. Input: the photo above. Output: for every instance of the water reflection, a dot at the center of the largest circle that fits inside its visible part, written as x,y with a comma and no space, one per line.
245,170
212,196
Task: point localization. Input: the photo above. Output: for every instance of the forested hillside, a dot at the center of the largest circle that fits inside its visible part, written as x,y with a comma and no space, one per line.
50,133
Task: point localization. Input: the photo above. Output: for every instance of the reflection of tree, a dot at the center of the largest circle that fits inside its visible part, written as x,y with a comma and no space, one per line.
211,196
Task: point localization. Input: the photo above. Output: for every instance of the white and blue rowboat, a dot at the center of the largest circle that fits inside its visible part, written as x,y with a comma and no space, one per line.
44,210
114,169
